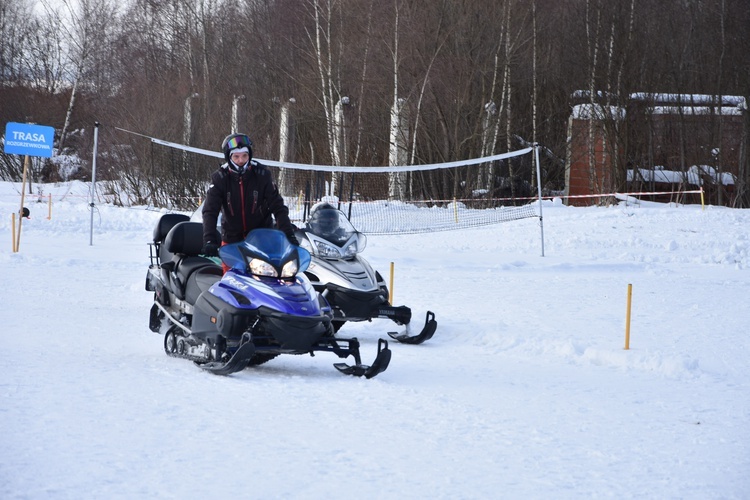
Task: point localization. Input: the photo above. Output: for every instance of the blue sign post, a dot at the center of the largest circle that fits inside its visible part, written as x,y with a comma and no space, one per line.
28,140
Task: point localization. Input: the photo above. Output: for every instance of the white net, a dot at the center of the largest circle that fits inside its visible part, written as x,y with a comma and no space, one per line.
399,217
396,199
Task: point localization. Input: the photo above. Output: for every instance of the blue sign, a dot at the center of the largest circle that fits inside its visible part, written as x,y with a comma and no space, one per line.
30,140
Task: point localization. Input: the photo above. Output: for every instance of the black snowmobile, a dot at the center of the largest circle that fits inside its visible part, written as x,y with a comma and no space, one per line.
262,307
354,290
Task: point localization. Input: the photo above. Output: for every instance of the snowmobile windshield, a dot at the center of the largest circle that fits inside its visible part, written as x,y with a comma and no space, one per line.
266,252
197,216
331,225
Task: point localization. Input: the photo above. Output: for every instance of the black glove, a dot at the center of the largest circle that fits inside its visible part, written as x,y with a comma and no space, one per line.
292,239
210,249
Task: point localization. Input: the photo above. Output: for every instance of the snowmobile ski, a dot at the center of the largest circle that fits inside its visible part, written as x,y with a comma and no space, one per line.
378,366
236,363
427,332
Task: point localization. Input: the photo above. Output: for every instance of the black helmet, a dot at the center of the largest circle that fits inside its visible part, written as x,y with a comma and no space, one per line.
236,141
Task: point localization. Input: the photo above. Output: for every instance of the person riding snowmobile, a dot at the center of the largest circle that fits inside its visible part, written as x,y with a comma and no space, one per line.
243,190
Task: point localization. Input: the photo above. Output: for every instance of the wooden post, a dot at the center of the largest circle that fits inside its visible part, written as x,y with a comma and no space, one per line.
13,232
390,288
627,317
23,194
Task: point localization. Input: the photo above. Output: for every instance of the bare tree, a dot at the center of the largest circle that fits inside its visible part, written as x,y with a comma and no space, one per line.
16,25
85,33
475,76
44,56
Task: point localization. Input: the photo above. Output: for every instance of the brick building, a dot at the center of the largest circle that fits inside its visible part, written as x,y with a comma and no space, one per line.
657,143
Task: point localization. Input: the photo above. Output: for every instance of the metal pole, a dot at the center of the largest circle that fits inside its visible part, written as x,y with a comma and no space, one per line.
539,193
93,183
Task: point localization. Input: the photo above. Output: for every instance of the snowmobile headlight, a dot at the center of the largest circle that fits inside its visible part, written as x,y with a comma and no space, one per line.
328,251
260,267
350,251
289,270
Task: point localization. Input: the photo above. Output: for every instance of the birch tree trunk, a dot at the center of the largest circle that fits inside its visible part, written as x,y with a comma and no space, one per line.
593,47
399,126
534,92
322,47
489,131
494,114
286,146
339,151
621,172
68,114
509,114
360,107
399,149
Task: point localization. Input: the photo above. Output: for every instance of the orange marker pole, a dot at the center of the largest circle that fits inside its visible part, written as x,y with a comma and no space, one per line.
13,232
390,294
49,206
627,317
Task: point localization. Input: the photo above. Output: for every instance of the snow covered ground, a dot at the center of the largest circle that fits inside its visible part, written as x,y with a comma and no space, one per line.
525,391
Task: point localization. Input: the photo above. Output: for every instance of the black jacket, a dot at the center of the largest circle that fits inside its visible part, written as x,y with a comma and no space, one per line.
246,202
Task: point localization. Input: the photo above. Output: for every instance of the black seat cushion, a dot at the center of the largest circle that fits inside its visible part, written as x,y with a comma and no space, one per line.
185,238
166,223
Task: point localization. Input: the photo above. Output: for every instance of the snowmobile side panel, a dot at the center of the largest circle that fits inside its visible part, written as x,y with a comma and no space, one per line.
400,314
354,304
213,316
295,333
200,281
295,297
355,274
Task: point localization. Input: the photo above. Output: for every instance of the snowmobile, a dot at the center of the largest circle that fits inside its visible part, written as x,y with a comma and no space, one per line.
263,306
353,289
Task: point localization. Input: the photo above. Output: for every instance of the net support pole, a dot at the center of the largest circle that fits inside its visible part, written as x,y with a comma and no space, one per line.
539,193
93,183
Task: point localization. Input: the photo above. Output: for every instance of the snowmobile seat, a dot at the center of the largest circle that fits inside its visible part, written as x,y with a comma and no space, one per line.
165,224
185,241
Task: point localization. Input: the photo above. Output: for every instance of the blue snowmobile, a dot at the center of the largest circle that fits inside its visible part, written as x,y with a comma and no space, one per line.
262,307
